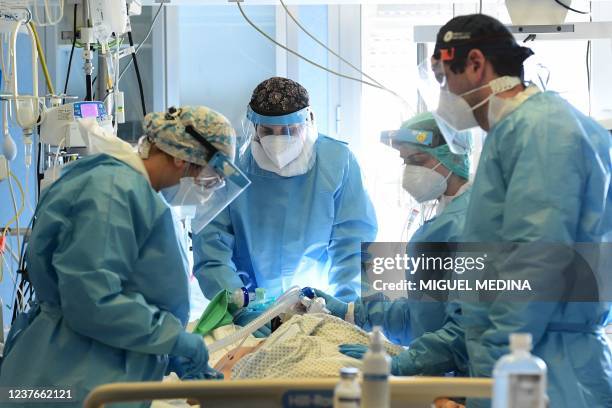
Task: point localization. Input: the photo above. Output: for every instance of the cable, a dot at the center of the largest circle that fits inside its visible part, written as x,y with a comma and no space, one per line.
315,39
20,289
35,118
43,61
589,59
142,98
143,41
8,266
588,69
27,192
89,88
301,56
569,8
11,253
39,175
18,212
93,83
74,24
48,13
295,20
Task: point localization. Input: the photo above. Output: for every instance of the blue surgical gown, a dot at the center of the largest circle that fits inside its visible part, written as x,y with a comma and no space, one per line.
430,327
111,281
544,177
304,230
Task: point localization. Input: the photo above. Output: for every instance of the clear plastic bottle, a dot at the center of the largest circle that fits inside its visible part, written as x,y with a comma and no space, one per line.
376,370
347,393
519,377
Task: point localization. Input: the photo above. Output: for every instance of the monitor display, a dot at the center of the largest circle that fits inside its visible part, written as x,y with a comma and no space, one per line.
89,110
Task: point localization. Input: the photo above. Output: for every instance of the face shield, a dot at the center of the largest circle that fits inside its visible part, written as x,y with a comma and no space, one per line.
281,138
203,197
454,116
452,113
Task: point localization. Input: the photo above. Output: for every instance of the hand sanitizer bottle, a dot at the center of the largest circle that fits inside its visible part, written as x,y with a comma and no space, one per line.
519,377
376,370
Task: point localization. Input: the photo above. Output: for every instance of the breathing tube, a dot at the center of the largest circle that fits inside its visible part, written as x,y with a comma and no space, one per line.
283,304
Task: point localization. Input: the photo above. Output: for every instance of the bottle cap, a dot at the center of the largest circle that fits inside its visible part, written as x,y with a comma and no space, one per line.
520,342
240,297
376,339
349,372
308,292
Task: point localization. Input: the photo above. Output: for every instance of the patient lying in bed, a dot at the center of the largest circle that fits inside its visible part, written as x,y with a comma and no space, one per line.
303,347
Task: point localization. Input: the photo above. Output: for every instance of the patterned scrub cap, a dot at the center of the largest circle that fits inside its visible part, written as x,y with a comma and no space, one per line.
279,96
166,130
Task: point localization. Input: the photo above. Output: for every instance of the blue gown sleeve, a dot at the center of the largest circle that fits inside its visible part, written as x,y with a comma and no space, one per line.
436,353
213,249
392,316
94,255
354,223
543,199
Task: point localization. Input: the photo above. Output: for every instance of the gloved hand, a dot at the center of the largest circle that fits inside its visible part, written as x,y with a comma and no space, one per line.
180,366
337,307
358,350
353,350
245,316
189,358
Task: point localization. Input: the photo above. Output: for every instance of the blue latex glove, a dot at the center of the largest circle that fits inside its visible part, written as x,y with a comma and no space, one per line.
353,350
189,358
180,366
245,316
337,307
358,350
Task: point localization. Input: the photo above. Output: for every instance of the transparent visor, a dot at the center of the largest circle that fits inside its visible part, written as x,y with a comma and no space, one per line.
278,131
430,82
203,197
452,113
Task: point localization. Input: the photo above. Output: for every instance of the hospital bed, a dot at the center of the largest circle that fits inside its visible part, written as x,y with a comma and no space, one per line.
408,392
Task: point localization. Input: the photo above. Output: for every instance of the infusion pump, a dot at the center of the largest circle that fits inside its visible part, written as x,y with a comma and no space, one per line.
60,126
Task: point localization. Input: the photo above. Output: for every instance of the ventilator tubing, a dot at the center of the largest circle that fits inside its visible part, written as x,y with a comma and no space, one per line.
282,305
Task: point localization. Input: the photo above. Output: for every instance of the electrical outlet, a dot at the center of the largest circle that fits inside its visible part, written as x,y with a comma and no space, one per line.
3,168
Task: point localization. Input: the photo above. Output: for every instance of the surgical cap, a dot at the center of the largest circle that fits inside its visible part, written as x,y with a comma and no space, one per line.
166,130
279,96
466,32
459,164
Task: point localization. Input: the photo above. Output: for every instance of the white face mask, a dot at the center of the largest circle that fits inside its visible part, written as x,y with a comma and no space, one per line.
298,165
424,184
282,150
187,193
457,113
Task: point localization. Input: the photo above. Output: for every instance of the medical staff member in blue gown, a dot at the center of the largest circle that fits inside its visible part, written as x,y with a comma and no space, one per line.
432,172
543,178
109,277
304,216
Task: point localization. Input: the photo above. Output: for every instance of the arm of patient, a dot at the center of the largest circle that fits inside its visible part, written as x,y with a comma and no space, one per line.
228,361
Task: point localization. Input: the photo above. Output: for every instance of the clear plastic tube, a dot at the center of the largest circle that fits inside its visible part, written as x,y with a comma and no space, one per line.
283,304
